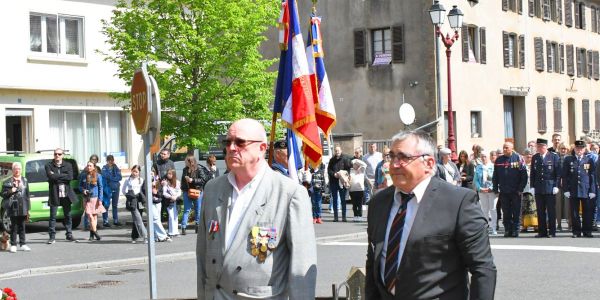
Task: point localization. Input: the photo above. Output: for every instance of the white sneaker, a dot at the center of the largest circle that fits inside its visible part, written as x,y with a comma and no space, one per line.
494,232
25,248
13,249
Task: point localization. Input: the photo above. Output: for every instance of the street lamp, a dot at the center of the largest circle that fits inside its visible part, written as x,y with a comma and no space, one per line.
455,18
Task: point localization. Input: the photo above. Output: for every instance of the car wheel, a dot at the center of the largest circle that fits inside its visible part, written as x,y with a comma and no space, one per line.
5,224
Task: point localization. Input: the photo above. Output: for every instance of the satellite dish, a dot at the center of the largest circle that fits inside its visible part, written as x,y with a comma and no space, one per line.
407,114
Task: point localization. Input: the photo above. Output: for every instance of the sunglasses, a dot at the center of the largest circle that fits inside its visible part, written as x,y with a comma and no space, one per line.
58,154
240,143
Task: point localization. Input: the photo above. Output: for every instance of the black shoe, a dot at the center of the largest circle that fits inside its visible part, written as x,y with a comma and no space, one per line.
507,234
588,235
91,236
552,235
51,241
344,220
118,224
70,238
106,224
335,220
97,236
515,234
541,235
576,235
182,230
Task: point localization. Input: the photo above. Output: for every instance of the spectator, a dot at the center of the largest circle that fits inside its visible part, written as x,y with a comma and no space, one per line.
466,169
162,165
358,153
563,152
357,188
15,195
160,235
317,186
475,157
171,190
59,176
193,179
90,185
280,161
112,179
93,159
484,173
556,138
544,179
211,164
446,169
372,158
339,162
528,209
133,189
382,171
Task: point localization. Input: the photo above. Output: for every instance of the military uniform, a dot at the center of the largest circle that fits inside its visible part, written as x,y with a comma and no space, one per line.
276,166
545,179
509,179
579,181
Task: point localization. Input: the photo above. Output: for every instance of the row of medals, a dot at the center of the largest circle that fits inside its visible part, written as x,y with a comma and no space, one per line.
262,240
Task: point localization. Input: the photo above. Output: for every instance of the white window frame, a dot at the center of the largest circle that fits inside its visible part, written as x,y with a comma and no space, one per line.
384,50
477,132
61,35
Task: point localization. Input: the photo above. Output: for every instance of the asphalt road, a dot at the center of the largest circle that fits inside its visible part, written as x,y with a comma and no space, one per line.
528,268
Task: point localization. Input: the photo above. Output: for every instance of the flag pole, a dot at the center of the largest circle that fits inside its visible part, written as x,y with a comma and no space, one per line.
272,138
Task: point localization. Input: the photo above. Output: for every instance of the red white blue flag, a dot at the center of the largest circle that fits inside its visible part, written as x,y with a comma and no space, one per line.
294,95
324,107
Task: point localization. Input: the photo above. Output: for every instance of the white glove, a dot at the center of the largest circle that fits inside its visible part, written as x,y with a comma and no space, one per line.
554,190
567,195
532,191
592,195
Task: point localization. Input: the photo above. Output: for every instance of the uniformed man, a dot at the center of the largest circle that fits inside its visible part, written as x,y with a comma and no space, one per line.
580,187
509,180
545,179
280,161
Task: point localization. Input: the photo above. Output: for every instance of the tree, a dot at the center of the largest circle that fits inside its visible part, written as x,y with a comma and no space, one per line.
217,72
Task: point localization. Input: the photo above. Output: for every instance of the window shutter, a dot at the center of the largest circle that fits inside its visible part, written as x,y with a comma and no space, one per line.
561,61
538,8
522,51
505,47
570,67
559,10
546,9
549,56
539,53
590,64
578,58
360,54
465,42
541,107
577,19
398,43
595,67
482,46
582,14
594,23
598,20
597,114
557,115
520,6
585,107
569,13
530,8
504,5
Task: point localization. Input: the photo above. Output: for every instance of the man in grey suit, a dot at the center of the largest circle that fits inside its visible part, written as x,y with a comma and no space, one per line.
432,234
256,238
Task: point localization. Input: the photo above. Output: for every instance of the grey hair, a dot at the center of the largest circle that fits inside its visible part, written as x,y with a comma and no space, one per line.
425,144
16,164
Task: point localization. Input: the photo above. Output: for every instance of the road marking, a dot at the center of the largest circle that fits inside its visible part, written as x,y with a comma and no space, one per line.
496,247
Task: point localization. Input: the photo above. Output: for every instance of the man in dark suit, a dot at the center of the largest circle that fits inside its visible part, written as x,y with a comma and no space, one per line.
544,179
424,234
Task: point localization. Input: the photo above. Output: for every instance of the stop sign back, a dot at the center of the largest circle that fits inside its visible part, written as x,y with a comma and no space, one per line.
141,107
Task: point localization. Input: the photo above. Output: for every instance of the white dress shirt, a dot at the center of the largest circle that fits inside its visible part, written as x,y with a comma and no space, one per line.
240,200
411,211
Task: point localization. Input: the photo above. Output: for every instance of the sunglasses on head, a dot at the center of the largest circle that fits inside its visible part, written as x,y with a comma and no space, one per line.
240,143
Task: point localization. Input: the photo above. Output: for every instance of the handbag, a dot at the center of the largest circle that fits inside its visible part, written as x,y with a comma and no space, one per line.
194,194
130,197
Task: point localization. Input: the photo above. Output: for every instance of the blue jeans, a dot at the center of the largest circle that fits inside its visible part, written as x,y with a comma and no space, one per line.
187,207
317,200
115,207
335,189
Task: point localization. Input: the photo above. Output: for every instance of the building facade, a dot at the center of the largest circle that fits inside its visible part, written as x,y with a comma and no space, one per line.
55,86
521,69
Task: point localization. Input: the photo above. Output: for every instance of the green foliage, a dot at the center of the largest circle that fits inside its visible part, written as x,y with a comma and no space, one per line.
217,72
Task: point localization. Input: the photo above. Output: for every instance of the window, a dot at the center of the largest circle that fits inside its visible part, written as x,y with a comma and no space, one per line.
553,57
541,108
511,50
56,34
471,43
593,12
579,14
557,115
570,64
382,42
475,124
585,115
546,10
590,64
580,55
595,68
538,44
359,48
512,5
597,114
561,60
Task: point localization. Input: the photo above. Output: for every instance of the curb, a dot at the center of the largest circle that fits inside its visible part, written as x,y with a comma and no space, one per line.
341,237
96,265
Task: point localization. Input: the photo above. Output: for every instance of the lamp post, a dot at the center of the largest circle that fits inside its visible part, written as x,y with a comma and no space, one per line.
455,17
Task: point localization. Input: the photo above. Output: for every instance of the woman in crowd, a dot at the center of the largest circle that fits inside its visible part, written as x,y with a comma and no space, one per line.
466,169
528,207
382,171
93,159
483,185
133,189
357,187
160,235
15,195
193,178
112,180
317,185
211,163
90,184
171,190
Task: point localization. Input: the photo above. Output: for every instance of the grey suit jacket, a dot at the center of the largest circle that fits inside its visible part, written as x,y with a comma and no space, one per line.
447,241
290,271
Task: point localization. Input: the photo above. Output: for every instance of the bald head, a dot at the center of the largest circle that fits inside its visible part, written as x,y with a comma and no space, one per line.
245,147
252,128
507,149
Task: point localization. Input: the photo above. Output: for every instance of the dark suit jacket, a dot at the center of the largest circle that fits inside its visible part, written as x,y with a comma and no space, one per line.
447,241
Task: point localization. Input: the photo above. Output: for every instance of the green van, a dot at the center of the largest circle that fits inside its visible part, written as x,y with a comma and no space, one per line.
33,169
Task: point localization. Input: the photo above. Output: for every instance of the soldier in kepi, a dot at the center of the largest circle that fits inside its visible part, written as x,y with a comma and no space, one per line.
544,180
280,159
580,187
509,180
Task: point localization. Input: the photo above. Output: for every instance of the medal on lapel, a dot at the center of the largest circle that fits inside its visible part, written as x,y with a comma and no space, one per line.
586,166
213,229
262,241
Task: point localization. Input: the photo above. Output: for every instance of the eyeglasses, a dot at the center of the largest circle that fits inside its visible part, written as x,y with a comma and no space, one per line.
404,159
240,143
58,154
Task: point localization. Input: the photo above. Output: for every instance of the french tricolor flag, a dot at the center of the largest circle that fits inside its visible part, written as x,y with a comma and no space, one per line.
294,93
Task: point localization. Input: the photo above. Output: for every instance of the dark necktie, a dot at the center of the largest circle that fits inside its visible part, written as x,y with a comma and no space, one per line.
393,246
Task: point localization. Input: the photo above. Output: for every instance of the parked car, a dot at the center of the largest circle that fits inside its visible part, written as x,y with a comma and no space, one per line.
34,170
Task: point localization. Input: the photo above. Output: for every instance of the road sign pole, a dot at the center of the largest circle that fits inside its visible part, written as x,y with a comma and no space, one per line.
150,213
